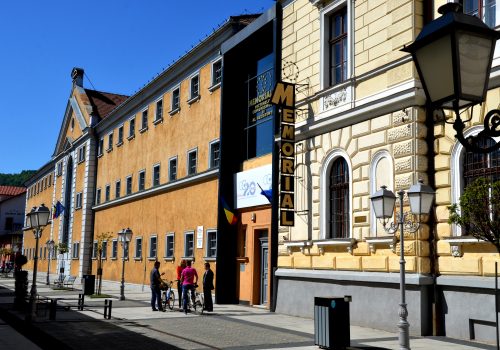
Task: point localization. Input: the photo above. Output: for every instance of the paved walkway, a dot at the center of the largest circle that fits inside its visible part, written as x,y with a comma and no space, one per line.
133,325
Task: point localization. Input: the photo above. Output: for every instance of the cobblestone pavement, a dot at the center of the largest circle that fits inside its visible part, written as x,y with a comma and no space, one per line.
134,326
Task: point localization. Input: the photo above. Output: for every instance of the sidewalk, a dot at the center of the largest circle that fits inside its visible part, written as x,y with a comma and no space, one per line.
133,325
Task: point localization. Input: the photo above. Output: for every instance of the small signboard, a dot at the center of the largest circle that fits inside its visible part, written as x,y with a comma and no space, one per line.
199,237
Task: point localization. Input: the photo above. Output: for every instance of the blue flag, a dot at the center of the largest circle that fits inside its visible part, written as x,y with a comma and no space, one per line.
266,193
58,210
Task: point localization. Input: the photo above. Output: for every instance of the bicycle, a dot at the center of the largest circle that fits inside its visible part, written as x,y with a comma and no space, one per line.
196,304
167,295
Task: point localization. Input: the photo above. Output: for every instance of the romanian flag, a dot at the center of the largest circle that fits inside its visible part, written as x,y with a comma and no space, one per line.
57,210
231,218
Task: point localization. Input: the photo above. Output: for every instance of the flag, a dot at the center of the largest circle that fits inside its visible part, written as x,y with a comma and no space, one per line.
266,193
58,210
231,218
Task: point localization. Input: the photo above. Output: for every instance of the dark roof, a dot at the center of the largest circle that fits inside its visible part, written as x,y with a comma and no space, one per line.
11,190
104,102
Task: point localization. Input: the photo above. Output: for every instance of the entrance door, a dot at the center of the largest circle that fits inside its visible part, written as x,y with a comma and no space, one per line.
264,270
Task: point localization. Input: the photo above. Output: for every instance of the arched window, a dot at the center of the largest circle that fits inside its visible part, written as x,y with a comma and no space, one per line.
339,199
381,174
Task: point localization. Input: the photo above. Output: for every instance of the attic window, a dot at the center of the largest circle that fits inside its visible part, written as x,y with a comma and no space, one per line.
72,123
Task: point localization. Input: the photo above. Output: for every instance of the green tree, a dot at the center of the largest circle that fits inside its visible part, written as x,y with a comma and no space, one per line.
479,211
16,179
101,238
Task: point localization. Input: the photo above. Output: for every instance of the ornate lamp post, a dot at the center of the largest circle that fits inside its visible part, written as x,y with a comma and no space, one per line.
50,247
36,220
383,201
453,56
124,236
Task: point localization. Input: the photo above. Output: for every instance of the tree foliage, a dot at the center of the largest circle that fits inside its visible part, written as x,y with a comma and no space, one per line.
16,179
479,211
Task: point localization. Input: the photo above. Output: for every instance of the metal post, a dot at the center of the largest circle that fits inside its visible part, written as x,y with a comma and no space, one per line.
496,303
48,269
403,325
32,314
122,287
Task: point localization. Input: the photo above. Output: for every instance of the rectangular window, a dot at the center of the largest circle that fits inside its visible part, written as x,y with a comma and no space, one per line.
98,196
337,43
484,9
129,185
189,244
118,188
50,180
100,148
131,128
217,73
108,193
110,142
172,169
144,121
59,168
138,248
153,241
176,96
120,135
156,175
104,252
211,244
192,159
214,154
76,250
195,87
81,154
78,200
94,250
169,246
159,110
142,180
114,249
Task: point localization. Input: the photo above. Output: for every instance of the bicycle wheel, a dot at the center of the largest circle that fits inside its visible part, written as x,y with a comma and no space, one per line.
171,301
164,300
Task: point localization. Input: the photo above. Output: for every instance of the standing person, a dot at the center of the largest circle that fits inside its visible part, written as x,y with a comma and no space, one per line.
208,286
181,267
189,278
155,287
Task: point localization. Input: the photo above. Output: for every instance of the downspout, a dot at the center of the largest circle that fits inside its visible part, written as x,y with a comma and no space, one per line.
93,136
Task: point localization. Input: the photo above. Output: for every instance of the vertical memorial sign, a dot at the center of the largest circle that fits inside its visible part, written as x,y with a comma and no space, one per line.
284,97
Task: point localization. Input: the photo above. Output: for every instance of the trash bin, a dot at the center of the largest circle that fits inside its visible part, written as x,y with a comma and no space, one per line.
88,284
331,322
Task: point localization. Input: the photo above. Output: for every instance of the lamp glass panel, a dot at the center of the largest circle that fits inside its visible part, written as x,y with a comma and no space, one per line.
415,202
28,220
43,216
474,56
436,67
34,219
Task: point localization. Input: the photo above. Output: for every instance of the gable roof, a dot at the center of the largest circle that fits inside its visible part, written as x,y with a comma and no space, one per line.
11,190
103,103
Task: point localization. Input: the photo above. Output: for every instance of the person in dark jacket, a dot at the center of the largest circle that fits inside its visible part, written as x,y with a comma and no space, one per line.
155,278
208,286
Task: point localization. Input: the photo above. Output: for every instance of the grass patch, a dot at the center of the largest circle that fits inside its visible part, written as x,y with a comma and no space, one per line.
101,296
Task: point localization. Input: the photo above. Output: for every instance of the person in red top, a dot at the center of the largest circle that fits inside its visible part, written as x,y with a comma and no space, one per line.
189,278
181,267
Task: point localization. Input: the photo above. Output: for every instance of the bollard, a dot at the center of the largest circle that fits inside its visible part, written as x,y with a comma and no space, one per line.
108,305
52,310
81,301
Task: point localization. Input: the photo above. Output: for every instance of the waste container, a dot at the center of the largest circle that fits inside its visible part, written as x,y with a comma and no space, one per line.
331,322
88,284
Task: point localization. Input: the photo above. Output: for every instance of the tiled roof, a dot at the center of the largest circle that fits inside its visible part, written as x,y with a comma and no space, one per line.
11,190
104,102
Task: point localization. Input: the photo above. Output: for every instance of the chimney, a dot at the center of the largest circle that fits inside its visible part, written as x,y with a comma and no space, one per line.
77,76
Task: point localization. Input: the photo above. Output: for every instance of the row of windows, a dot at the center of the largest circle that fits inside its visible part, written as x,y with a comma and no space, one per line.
152,253
40,186
158,117
192,161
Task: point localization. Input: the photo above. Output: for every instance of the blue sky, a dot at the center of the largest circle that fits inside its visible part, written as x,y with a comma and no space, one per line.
121,44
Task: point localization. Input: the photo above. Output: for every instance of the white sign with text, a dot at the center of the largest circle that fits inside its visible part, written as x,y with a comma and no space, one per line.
247,186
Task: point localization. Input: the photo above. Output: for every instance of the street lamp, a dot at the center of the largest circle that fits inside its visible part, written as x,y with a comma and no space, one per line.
36,220
383,201
453,56
50,247
124,236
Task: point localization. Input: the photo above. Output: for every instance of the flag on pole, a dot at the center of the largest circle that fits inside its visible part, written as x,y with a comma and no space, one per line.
231,218
266,193
58,210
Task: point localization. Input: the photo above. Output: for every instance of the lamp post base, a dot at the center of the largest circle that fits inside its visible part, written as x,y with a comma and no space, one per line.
404,328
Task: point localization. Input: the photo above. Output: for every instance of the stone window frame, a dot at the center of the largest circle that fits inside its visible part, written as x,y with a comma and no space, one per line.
324,191
150,248
114,249
377,157
169,236
211,158
213,77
